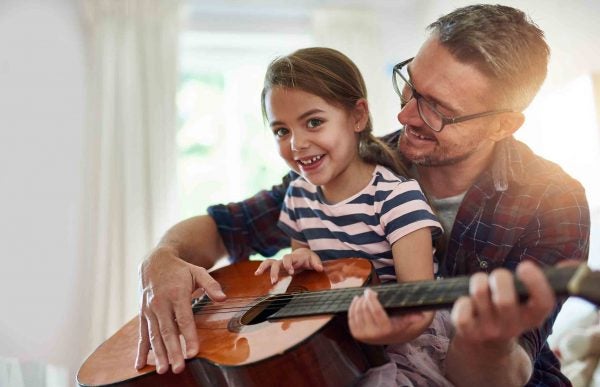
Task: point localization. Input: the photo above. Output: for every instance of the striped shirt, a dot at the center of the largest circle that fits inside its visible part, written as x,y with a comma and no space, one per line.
364,225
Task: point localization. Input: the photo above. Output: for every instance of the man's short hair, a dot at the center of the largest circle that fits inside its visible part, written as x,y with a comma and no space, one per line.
503,43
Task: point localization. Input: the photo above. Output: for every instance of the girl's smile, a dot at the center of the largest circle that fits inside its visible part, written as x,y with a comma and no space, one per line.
319,140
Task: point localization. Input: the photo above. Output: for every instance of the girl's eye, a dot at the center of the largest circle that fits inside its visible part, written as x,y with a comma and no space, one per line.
314,122
280,132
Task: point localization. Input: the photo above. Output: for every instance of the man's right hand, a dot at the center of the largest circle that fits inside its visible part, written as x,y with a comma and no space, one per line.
165,312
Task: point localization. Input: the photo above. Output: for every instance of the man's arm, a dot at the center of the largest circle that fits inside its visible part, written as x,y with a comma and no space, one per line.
196,240
497,339
250,226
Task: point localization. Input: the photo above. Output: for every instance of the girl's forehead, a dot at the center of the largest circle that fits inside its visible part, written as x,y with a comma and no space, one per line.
296,96
279,95
294,102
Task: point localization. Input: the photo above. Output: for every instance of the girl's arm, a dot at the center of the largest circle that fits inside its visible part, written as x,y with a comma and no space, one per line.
368,321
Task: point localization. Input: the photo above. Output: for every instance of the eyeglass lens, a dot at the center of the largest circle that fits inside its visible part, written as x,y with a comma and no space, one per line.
426,111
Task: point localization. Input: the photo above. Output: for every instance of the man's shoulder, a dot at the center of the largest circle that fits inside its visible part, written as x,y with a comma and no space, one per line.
531,169
391,139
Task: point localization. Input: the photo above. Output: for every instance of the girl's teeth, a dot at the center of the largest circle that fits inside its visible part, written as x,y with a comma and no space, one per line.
310,161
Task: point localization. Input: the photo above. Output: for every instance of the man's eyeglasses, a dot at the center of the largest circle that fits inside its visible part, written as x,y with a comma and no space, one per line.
427,111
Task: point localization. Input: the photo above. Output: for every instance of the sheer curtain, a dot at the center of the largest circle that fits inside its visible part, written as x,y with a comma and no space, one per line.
130,171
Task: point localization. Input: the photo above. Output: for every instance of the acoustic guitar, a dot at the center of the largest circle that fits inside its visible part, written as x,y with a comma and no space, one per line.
294,332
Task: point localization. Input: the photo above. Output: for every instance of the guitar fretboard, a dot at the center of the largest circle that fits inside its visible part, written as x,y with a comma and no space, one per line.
424,295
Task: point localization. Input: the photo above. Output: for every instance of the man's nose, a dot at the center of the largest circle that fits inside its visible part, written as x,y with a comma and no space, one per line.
409,114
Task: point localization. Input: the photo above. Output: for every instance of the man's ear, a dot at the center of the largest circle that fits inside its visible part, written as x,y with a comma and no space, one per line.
361,115
506,125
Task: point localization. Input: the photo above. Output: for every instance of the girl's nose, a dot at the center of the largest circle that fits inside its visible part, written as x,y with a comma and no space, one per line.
299,142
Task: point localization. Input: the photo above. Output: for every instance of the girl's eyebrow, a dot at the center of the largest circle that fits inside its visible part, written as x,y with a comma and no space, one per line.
301,117
310,113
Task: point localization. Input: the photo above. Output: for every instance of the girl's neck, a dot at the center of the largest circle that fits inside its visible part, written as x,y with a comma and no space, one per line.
353,180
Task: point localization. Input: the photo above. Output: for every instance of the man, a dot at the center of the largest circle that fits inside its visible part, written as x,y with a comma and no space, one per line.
503,207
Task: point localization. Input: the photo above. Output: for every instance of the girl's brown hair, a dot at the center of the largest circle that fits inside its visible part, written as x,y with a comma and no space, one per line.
331,75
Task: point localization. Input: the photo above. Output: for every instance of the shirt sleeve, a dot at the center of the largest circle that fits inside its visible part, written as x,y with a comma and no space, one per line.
406,210
250,226
288,220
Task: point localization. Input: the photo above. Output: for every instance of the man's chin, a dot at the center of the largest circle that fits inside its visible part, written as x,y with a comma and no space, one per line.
415,159
428,161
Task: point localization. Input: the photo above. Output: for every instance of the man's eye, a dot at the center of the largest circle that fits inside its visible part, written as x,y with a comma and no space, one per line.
314,122
280,132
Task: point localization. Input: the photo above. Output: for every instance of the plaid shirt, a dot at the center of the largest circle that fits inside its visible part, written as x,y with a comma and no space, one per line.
523,207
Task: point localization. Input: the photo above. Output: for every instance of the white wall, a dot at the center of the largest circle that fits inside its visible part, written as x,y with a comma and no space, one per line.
42,101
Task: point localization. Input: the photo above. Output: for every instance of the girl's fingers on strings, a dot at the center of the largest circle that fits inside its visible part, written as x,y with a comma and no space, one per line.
275,268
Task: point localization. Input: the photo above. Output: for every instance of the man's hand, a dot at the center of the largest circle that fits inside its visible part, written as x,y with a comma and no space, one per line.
489,322
299,259
166,312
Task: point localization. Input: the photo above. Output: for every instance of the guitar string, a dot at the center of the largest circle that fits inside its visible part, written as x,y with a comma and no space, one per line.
396,287
406,288
303,302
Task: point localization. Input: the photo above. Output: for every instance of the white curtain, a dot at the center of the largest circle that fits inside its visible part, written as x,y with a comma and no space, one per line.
356,33
132,62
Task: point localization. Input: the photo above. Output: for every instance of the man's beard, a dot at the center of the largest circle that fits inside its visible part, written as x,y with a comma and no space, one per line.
429,161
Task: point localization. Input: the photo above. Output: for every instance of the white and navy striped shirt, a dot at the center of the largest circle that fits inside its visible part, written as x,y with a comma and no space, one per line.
364,225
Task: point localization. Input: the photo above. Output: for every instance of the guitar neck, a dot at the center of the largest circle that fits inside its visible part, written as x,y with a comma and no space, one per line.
404,297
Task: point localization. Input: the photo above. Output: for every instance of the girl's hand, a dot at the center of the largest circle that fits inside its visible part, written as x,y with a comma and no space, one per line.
299,259
370,323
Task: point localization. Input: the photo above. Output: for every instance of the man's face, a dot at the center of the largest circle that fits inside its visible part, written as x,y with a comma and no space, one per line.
455,89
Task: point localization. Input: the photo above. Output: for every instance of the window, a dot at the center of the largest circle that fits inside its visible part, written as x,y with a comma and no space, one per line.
569,137
225,150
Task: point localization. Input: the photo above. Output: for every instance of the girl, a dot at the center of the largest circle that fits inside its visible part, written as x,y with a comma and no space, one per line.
352,197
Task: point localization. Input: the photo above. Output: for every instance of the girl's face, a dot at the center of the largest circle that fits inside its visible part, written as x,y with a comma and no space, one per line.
316,139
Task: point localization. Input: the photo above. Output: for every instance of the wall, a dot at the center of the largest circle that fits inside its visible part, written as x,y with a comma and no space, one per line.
42,102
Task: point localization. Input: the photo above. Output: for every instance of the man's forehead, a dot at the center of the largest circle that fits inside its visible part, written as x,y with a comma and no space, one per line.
437,74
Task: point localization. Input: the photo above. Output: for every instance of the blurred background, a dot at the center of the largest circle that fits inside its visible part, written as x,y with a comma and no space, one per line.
120,117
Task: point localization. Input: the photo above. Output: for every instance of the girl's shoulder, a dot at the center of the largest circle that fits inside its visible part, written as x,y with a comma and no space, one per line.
385,175
387,185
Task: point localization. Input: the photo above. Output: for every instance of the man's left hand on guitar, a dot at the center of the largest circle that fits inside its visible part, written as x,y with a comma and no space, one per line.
489,322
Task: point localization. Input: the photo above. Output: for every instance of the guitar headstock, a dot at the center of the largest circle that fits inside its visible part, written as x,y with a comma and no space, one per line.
585,283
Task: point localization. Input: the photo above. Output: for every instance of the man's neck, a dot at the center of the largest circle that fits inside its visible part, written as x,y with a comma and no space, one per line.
451,180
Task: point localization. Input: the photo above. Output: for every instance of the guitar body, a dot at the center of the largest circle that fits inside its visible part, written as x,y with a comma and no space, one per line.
240,347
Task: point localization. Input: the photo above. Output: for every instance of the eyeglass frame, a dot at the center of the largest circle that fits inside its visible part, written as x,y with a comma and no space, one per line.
418,97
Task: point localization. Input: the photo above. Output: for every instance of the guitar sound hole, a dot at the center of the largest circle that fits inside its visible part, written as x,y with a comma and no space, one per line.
261,312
